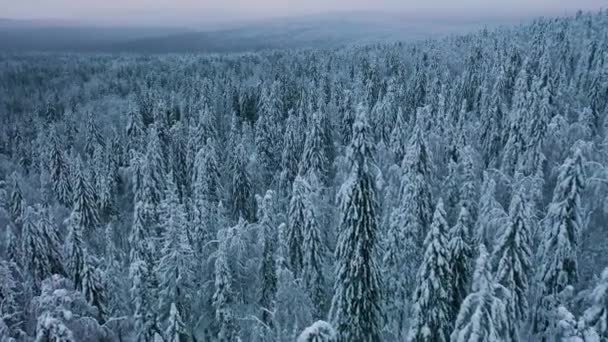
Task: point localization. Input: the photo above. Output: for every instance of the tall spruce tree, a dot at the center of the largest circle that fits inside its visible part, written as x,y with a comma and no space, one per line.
431,300
560,241
483,314
512,260
356,306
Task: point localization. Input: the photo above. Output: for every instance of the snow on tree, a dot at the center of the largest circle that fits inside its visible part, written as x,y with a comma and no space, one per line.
512,260
296,225
175,331
40,245
154,170
314,163
84,202
596,316
267,271
59,170
401,255
176,264
63,314
293,142
417,170
268,135
320,331
483,314
313,262
356,306
242,196
74,249
460,255
431,300
490,213
559,245
223,298
10,310
16,202
93,288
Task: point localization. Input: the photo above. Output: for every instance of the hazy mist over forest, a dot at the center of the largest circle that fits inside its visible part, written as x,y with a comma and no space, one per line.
303,171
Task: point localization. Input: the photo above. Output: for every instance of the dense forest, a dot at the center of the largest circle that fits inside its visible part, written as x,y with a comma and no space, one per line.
433,191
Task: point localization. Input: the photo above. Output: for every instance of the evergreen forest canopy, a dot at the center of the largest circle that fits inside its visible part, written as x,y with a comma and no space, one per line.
444,190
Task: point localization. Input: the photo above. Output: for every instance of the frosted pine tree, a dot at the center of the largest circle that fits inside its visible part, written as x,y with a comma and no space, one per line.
243,200
292,152
154,171
483,314
431,300
268,135
176,265
356,306
596,316
559,244
84,202
313,262
314,163
176,331
223,298
490,214
16,202
297,219
59,171
512,260
320,331
93,288
267,270
74,249
417,169
401,255
10,308
460,257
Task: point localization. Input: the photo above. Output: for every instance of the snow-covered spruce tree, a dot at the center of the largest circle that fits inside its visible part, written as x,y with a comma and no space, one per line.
296,221
268,136
93,287
511,260
293,142
314,163
417,170
313,262
431,300
176,264
10,309
490,213
559,244
176,331
401,255
398,138
93,135
460,257
59,170
223,298
154,170
267,271
74,250
16,202
242,197
320,331
356,306
483,314
207,191
468,188
84,202
596,316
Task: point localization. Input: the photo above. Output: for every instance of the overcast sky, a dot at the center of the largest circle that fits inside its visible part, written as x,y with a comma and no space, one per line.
176,11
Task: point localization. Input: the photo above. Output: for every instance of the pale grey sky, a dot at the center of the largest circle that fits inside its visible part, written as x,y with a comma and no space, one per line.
176,11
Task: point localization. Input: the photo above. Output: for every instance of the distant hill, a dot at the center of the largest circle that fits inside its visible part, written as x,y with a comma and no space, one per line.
310,31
